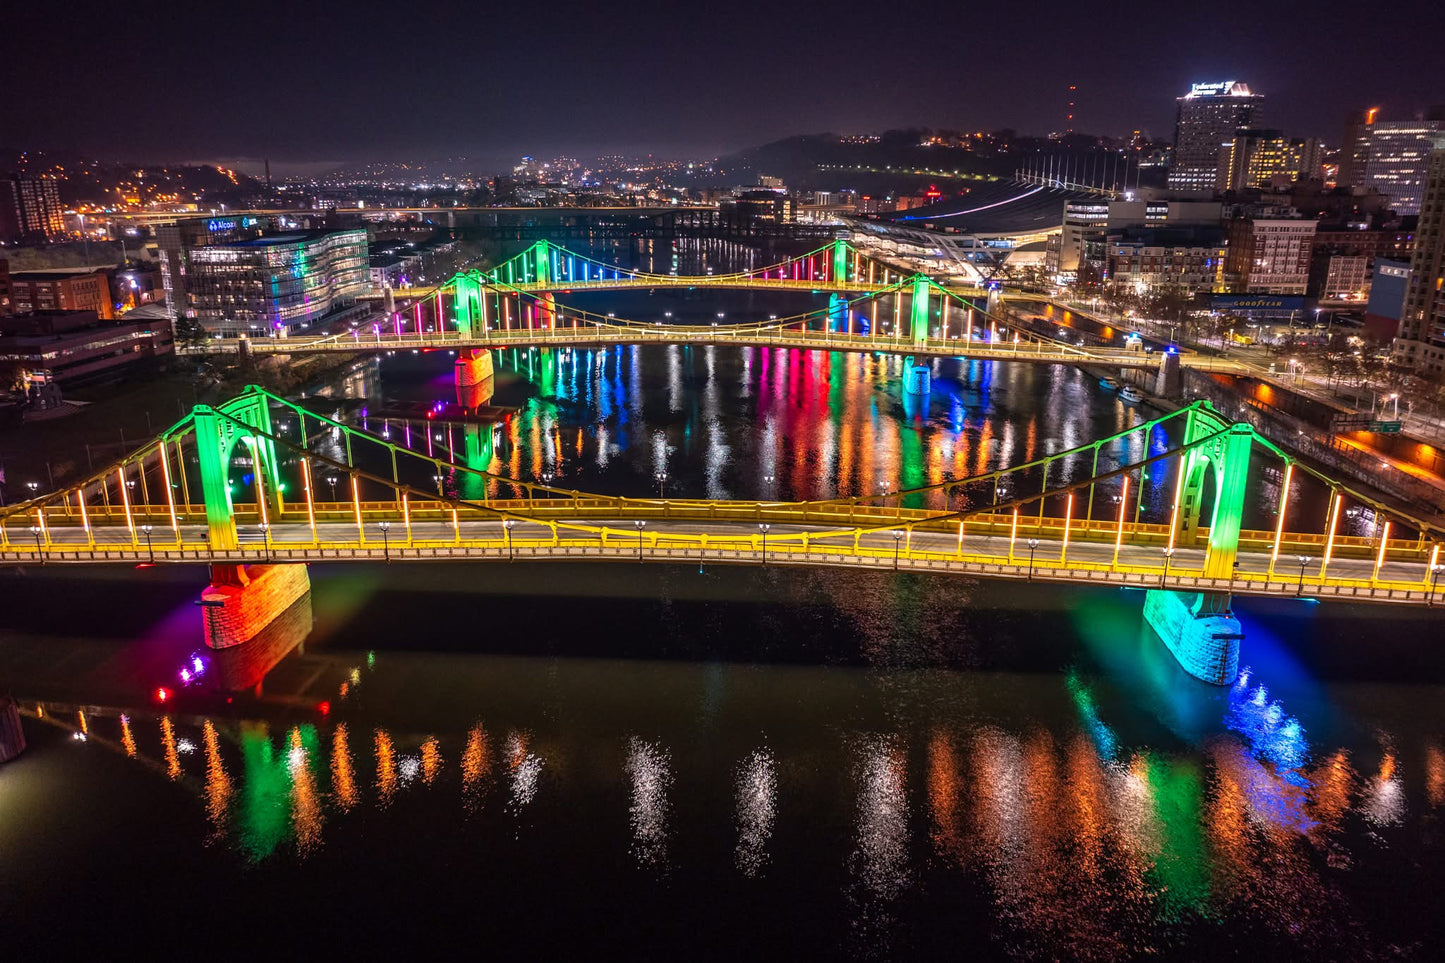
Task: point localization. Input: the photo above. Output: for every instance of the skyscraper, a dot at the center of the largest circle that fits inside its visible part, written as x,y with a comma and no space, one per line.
30,208
1209,115
1397,153
1353,146
1421,341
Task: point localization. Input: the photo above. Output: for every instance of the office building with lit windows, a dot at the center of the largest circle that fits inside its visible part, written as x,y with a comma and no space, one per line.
271,285
1396,154
1209,116
30,208
1421,341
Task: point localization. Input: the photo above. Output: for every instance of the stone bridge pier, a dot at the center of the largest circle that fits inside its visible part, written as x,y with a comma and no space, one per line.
475,377
242,600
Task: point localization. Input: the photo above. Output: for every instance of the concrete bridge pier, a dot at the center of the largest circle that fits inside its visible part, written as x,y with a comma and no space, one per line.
917,378
242,600
1200,631
475,377
1169,382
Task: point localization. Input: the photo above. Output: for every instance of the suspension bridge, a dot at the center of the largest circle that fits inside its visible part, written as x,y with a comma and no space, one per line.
315,489
871,308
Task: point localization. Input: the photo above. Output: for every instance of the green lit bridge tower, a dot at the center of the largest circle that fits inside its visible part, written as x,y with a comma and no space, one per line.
1199,628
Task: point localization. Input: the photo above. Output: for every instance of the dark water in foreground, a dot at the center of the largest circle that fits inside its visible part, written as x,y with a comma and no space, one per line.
741,762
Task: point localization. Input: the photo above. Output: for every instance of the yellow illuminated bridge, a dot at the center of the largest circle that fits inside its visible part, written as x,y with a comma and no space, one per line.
366,498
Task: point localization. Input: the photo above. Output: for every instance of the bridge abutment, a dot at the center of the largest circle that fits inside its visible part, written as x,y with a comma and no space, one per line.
1199,630
242,600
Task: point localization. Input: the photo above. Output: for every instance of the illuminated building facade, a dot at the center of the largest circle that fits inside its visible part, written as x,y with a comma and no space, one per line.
30,209
1209,116
1266,158
1397,154
1191,258
1270,255
69,290
1421,342
276,283
75,347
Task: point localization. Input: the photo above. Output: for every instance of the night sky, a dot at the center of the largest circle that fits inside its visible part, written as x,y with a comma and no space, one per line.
304,82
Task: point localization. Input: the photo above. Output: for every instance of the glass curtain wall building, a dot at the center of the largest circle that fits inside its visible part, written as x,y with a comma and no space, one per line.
272,285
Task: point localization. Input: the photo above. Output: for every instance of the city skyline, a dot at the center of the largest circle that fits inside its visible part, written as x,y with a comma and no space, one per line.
367,83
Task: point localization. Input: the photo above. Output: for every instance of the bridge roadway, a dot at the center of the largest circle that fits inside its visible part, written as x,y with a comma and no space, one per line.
687,542
594,334
651,282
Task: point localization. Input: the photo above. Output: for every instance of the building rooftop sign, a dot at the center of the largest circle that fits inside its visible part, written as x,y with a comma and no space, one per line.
1223,88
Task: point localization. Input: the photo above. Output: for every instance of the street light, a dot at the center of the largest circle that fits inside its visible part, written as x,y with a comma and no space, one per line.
146,530
385,540
1168,557
661,484
1033,547
266,537
641,524
39,549
1303,561
1435,571
507,524
438,479
897,543
34,487
332,480
763,527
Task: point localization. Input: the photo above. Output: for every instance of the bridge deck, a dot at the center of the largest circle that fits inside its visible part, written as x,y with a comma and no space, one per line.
987,550
596,335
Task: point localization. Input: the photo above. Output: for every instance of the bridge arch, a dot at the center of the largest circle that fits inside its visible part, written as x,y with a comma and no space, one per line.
1220,454
242,420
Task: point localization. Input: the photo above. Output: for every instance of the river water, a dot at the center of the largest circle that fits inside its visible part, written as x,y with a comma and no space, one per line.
727,762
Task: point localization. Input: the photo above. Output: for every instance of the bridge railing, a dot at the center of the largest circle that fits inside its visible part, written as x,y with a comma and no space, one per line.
664,547
831,517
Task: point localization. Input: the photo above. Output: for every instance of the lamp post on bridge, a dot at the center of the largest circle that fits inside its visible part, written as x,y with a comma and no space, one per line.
1303,561
641,524
1168,557
1435,571
661,478
266,538
1033,547
763,527
332,480
438,479
39,548
385,540
897,544
150,550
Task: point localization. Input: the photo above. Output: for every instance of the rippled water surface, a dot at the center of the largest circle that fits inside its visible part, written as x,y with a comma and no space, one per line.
721,762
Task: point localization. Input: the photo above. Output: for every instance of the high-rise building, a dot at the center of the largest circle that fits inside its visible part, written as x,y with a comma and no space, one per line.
1396,155
1354,145
30,208
1209,116
1421,341
1266,158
